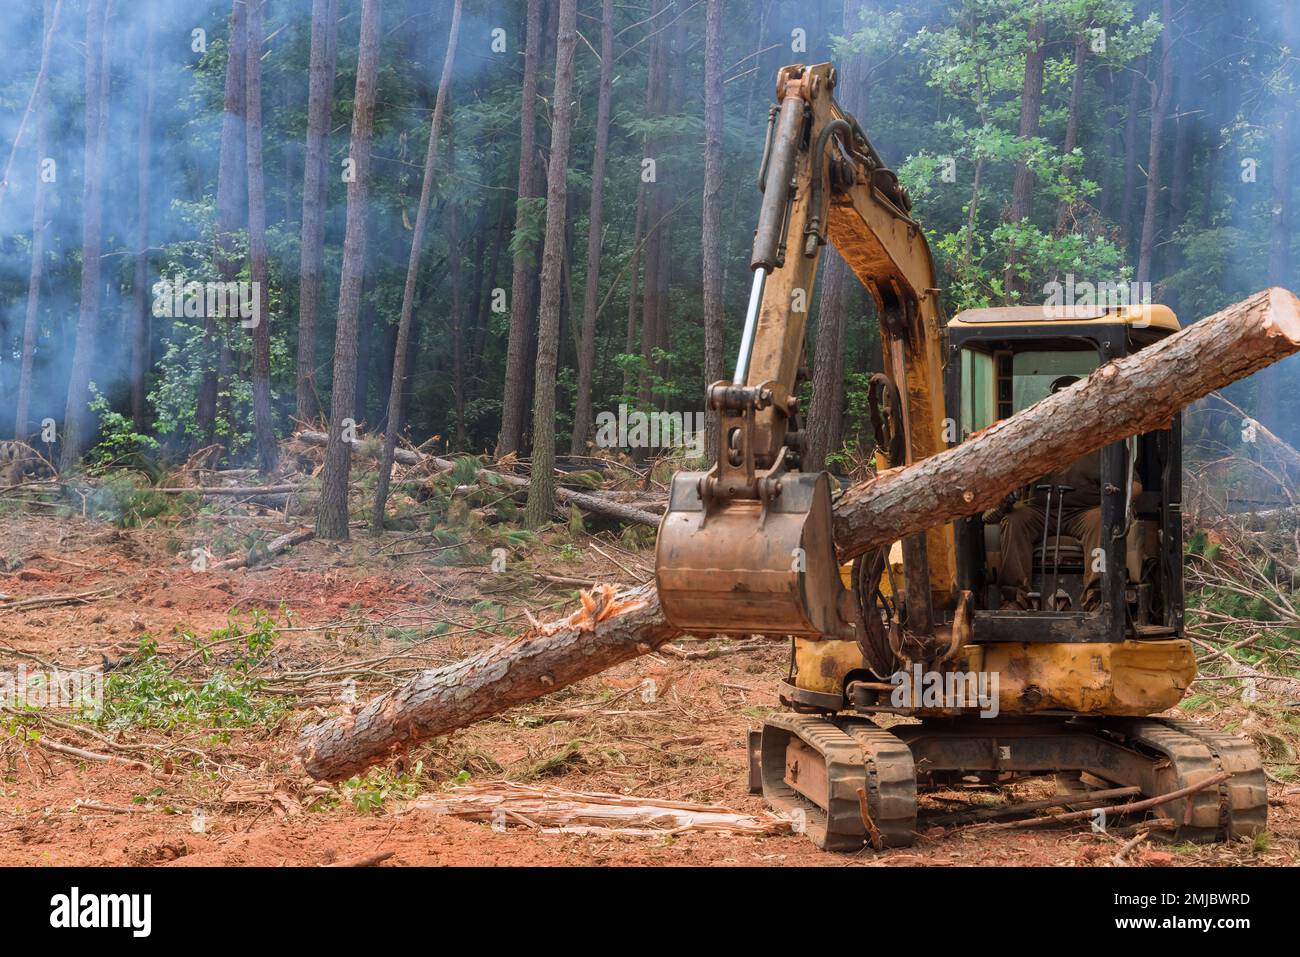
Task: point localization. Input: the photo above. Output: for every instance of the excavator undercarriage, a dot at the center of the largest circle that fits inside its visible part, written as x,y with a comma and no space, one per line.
748,546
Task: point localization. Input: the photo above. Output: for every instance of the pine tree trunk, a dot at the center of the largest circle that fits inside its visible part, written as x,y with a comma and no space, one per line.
715,317
1130,158
840,289
332,516
231,209
32,316
582,417
1159,108
268,452
320,96
518,343
49,19
634,290
541,485
140,298
656,94
77,427
398,382
1022,190
456,332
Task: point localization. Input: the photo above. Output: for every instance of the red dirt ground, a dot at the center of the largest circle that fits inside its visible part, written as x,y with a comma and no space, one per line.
687,744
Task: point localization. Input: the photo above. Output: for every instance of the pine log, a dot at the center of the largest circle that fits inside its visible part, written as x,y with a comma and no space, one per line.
608,629
609,508
1122,398
274,547
205,490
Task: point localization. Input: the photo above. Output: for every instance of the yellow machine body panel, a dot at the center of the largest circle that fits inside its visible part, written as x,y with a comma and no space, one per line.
1120,678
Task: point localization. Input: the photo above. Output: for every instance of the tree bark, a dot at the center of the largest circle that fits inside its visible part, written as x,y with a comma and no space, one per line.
1159,108
332,517
633,290
77,428
1130,155
32,315
1125,397
652,283
268,451
230,204
840,290
140,299
582,416
398,383
1022,189
519,337
541,487
320,96
513,673
715,317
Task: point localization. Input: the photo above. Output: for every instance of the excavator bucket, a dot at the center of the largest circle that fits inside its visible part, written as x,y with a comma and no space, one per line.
743,566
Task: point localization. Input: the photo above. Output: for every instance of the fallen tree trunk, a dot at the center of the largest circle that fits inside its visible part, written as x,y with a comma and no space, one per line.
608,629
1123,398
274,547
230,489
609,508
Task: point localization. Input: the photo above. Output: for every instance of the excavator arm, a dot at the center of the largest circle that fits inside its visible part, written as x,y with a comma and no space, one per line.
747,545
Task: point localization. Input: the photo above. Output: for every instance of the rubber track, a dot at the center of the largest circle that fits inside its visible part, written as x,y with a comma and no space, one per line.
891,782
859,756
1243,798
1191,761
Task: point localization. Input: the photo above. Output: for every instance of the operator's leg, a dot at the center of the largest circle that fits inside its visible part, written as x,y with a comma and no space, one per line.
1085,525
1022,529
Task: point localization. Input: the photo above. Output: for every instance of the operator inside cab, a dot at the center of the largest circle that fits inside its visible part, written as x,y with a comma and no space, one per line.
1068,503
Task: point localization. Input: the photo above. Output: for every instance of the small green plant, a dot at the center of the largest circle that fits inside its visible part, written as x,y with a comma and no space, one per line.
369,793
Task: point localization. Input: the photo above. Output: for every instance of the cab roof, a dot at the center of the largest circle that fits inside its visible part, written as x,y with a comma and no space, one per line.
1140,316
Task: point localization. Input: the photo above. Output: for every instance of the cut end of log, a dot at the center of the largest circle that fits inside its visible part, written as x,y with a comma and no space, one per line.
1283,314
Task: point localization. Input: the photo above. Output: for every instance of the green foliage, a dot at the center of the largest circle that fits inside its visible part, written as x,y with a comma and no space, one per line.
147,692
370,792
119,442
122,499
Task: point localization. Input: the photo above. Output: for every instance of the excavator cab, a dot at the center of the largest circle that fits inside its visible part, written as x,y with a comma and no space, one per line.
1122,577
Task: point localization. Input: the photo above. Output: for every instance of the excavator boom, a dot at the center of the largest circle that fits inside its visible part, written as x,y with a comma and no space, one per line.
746,546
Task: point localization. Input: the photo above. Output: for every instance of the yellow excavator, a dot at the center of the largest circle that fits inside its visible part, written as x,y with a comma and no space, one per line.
911,669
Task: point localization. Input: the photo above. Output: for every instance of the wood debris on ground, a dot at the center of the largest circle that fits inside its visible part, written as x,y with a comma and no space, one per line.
555,810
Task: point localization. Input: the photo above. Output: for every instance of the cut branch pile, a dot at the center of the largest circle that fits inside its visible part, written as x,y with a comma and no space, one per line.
609,507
